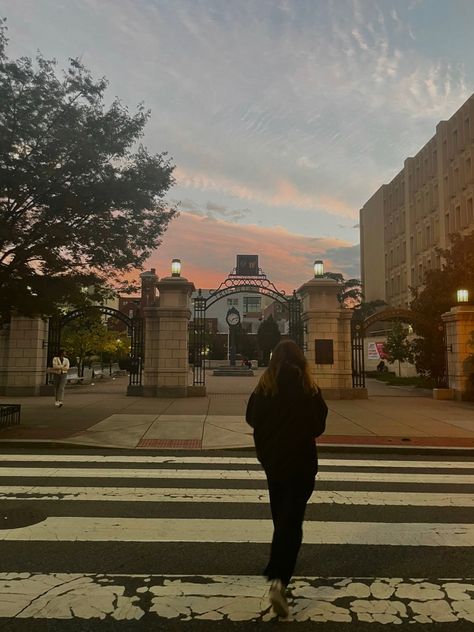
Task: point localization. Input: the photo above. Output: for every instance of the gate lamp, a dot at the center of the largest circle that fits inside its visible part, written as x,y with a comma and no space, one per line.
318,268
176,267
462,296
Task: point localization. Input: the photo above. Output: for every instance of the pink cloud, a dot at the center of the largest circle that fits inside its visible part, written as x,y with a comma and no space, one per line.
208,249
286,193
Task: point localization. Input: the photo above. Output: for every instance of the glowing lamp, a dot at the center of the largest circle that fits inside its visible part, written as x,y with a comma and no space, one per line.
462,296
176,267
318,268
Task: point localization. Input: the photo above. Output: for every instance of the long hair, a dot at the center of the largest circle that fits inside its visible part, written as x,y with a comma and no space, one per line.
286,355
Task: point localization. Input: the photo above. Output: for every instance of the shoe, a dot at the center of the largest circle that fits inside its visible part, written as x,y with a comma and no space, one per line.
57,404
278,599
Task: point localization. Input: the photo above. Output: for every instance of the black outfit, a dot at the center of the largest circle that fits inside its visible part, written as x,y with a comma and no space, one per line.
285,426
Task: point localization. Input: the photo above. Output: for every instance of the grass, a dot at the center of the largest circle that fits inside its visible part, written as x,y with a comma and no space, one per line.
392,379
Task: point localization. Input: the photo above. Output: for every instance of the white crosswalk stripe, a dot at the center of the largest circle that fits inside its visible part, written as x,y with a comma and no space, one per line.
188,522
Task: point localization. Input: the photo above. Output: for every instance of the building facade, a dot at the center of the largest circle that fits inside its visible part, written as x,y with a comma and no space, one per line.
404,222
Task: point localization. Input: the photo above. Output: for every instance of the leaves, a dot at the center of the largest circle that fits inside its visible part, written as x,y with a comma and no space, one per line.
80,202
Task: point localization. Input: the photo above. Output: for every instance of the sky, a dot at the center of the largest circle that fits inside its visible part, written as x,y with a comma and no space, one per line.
282,117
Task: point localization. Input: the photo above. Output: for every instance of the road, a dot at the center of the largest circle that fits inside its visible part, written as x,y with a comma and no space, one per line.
116,540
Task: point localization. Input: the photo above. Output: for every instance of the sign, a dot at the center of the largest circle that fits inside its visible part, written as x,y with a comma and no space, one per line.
247,265
324,351
375,351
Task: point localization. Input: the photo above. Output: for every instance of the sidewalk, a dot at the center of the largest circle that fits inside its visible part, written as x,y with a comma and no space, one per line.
103,416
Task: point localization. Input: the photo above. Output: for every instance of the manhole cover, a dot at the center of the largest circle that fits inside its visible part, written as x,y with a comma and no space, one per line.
19,516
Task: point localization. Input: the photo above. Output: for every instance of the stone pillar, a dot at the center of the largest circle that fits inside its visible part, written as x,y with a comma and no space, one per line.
328,339
166,370
459,322
23,361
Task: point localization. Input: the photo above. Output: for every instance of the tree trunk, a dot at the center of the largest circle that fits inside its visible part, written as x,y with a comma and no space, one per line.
399,370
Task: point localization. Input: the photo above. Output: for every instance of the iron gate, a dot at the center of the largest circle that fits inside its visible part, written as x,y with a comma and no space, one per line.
135,330
234,283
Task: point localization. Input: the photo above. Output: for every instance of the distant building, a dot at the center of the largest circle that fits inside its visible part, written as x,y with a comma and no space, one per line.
250,306
404,221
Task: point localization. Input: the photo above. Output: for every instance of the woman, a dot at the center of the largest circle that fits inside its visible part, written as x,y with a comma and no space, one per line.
60,369
287,413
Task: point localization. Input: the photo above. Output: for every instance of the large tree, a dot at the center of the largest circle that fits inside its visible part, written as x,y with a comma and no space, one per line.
81,202
436,297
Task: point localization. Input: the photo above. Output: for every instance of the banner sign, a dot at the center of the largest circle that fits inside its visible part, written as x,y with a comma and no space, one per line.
375,351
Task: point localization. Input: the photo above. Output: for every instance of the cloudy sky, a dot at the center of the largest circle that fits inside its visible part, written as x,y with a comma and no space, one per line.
282,116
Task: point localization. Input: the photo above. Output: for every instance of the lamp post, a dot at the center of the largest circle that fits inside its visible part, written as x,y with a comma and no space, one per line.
318,268
176,268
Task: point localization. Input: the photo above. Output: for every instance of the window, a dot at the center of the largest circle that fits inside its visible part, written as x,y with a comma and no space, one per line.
470,214
428,235
467,131
457,218
447,223
455,140
232,301
420,273
413,276
252,304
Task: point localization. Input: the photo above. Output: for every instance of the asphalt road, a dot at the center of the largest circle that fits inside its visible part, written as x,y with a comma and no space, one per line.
115,540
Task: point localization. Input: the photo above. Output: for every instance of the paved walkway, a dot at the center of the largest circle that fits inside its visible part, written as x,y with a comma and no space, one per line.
102,415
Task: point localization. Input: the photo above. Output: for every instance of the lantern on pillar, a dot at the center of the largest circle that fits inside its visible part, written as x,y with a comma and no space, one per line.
318,268
176,267
462,296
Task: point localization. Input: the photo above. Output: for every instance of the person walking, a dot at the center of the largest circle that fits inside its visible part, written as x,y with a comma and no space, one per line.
287,412
60,369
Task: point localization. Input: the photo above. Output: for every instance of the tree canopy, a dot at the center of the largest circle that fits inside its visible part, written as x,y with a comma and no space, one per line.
81,202
350,294
397,346
268,336
436,297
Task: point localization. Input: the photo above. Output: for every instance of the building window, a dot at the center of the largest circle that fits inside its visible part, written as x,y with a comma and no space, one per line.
232,301
467,131
252,304
420,273
470,214
413,275
447,223
457,218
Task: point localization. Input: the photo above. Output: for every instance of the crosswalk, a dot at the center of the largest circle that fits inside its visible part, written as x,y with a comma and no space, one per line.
169,538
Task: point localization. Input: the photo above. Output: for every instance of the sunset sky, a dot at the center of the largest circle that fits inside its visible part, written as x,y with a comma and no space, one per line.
282,116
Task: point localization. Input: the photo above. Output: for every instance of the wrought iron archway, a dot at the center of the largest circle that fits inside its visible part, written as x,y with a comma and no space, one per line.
359,329
235,283
135,330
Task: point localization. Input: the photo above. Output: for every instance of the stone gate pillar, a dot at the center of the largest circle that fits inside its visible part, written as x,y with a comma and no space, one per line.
459,323
23,351
327,338
166,369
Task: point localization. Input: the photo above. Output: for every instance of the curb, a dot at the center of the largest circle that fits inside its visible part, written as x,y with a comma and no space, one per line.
335,447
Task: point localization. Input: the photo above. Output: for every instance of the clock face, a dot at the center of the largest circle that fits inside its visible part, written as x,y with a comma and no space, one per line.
233,318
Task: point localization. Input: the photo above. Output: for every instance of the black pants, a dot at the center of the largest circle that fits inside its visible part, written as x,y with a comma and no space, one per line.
288,500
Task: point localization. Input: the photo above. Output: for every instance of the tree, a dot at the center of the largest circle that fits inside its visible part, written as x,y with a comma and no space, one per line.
268,336
80,203
397,347
435,298
350,294
87,336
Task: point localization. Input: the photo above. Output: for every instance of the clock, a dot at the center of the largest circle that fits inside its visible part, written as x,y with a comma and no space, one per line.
233,317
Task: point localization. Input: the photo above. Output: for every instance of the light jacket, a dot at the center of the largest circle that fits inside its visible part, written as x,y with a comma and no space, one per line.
60,367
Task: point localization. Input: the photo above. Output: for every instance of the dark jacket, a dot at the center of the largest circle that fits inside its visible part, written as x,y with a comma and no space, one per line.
285,426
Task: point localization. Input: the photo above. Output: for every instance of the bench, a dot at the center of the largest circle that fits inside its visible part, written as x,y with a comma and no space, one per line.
73,376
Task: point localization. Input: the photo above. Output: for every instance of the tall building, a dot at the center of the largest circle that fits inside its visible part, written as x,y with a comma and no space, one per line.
404,222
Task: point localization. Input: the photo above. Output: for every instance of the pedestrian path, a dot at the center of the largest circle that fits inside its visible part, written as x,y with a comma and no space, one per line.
159,539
